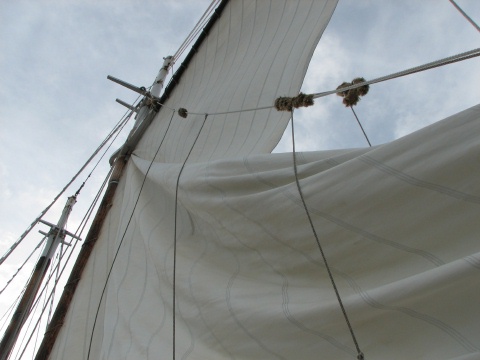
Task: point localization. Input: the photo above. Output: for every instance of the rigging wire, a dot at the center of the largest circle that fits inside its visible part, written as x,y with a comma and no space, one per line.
57,278
23,264
196,29
427,66
78,232
360,355
361,127
116,130
267,107
431,65
118,127
36,329
26,329
468,18
123,237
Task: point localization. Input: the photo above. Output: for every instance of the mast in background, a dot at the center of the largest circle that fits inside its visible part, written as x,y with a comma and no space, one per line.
55,236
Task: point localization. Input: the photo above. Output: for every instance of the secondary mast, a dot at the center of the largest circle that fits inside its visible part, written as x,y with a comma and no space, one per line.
55,236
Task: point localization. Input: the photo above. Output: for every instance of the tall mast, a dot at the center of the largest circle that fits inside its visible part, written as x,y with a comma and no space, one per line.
55,236
118,161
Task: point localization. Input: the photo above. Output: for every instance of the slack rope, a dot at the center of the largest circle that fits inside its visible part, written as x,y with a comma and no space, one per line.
175,236
123,237
360,355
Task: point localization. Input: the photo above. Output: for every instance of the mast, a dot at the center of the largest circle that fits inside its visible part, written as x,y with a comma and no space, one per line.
119,161
55,236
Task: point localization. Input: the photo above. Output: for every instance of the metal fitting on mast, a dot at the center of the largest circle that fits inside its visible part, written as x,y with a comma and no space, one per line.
162,74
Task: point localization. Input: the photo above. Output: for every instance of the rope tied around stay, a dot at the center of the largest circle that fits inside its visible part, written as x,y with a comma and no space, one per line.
288,103
352,97
182,112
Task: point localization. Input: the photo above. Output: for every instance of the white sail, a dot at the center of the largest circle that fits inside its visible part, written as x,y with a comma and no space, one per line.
231,269
255,52
397,222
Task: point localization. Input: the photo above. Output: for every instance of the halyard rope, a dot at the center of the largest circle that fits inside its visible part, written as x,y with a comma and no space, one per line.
123,236
175,233
116,129
360,355
71,250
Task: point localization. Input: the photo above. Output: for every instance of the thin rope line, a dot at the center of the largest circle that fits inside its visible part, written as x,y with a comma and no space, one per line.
35,222
297,181
196,29
78,232
117,129
431,65
234,111
445,61
71,250
50,296
175,232
123,237
468,18
23,264
361,127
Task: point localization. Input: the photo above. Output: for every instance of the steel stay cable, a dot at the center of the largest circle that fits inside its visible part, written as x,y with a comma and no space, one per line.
119,125
427,66
196,29
44,288
468,18
78,232
445,61
49,298
360,355
23,264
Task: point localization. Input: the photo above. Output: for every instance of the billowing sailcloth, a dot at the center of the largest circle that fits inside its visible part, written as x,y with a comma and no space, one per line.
207,251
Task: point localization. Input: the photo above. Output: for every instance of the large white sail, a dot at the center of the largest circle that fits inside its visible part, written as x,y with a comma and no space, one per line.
207,251
397,222
256,51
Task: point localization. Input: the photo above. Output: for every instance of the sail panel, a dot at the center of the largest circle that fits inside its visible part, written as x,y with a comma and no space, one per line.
255,52
398,224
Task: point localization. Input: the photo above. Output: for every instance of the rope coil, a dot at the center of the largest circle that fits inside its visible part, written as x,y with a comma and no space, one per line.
352,97
288,103
182,112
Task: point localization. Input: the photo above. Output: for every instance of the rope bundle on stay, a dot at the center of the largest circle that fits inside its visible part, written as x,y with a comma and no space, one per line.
288,103
182,112
352,97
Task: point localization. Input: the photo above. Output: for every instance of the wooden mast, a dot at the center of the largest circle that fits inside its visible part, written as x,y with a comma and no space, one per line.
61,310
55,236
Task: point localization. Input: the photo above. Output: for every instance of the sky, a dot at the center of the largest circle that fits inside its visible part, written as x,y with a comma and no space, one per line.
56,104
